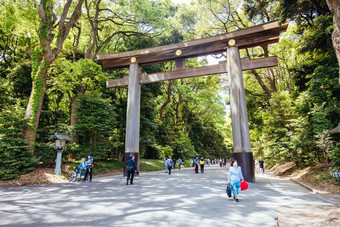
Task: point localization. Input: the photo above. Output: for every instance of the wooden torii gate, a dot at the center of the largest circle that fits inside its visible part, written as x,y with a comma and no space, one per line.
231,42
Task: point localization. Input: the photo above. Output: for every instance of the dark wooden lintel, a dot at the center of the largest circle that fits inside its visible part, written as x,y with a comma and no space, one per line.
250,37
194,72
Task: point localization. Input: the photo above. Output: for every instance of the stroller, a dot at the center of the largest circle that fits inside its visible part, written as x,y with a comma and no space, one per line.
75,175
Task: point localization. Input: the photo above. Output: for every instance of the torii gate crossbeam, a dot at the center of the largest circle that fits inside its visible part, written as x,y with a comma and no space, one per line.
231,42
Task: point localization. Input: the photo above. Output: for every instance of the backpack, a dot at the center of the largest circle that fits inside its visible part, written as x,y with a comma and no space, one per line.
129,166
170,162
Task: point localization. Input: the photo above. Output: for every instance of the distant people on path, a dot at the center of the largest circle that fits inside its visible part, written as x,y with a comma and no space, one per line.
165,165
234,178
196,165
82,166
174,163
179,163
231,161
261,165
89,166
170,163
131,168
202,164
220,161
191,163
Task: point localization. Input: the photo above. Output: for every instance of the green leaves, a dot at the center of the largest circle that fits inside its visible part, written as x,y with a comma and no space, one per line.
96,117
15,156
193,117
180,118
285,126
96,125
69,76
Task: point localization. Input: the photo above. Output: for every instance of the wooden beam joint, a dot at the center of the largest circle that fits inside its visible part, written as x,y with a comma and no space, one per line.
182,72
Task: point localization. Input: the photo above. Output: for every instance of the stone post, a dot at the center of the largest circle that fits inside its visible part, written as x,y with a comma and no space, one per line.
57,169
239,117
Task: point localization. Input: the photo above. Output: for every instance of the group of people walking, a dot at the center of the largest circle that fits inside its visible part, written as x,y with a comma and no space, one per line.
200,163
235,176
169,163
86,166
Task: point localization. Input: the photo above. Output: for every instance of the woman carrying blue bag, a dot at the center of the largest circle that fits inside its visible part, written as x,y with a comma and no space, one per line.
89,165
82,166
234,178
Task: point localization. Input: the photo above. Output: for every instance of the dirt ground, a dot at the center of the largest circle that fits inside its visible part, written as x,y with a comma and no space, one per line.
45,176
312,215
309,216
37,176
306,176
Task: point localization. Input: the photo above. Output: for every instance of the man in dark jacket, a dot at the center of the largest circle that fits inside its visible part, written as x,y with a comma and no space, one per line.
131,168
196,165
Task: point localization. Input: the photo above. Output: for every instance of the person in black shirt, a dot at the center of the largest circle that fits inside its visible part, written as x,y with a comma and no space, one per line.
261,164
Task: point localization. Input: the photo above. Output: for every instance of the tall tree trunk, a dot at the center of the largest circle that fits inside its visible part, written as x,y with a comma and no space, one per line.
166,102
94,30
73,117
35,103
185,118
271,75
177,104
76,43
43,56
81,89
74,100
334,7
259,79
73,110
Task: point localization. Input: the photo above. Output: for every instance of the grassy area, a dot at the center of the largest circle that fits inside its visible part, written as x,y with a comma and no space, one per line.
102,167
317,176
321,174
151,165
108,166
186,163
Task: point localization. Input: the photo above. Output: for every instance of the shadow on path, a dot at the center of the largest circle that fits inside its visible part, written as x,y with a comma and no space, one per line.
156,199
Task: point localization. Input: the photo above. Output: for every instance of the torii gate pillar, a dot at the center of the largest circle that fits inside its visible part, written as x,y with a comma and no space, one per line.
132,116
239,117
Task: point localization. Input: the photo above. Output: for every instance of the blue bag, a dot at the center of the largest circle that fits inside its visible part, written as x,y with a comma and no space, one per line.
228,190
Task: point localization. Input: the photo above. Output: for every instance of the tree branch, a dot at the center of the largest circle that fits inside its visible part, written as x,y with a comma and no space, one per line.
64,29
166,102
94,30
76,43
258,78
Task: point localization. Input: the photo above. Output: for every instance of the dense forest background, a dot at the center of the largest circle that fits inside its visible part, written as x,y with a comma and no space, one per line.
50,81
